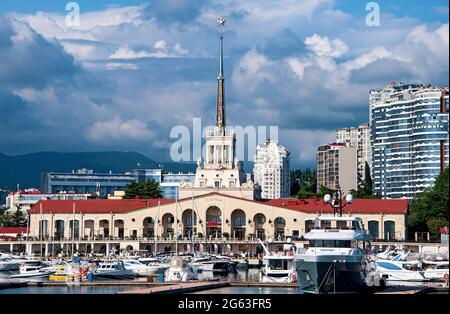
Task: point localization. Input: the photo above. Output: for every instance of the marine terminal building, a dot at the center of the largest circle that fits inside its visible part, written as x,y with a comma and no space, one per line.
219,203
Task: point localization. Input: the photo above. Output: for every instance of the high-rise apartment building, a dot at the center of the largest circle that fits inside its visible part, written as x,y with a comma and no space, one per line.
409,138
358,137
336,167
271,170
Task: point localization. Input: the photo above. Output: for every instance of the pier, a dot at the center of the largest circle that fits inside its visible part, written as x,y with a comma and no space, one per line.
51,247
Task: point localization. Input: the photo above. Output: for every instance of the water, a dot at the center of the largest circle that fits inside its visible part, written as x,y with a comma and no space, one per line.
250,290
250,275
69,290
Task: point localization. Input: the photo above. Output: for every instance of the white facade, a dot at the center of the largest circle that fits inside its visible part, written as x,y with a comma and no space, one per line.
271,170
409,138
358,137
24,199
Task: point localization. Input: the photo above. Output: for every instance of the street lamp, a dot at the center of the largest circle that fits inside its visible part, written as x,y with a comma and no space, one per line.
335,201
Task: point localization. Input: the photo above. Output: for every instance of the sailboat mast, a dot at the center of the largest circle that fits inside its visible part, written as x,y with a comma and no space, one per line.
41,223
193,223
156,223
73,227
176,222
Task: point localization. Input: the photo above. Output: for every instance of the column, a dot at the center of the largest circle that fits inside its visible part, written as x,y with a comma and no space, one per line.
11,248
46,249
81,224
107,249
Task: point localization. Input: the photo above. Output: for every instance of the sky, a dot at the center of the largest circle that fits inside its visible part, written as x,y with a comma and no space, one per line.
132,70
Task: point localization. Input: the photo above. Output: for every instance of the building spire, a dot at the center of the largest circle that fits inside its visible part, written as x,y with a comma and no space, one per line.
220,114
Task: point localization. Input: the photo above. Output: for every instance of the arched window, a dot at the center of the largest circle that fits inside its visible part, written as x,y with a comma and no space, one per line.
389,230
279,220
374,230
239,221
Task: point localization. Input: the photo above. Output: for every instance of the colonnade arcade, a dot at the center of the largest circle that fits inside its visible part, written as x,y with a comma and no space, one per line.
211,223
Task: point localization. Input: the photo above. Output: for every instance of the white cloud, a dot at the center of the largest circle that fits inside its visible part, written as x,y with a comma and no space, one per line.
324,47
117,130
120,66
127,53
161,51
298,67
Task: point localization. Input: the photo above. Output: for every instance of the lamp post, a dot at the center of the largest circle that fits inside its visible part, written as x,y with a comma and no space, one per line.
335,201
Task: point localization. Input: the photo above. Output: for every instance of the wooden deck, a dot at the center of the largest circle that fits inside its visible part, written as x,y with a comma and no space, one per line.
175,287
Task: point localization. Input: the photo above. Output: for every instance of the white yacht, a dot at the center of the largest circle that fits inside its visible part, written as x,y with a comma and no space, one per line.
279,266
212,263
335,260
113,269
34,269
401,270
180,270
7,264
436,271
141,269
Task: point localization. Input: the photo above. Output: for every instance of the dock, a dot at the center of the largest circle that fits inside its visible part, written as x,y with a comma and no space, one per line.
185,287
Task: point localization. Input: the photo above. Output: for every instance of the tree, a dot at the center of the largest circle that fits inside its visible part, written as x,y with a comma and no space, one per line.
303,181
430,209
149,189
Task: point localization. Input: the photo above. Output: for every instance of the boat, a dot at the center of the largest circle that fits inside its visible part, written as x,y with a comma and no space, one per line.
112,269
140,269
437,271
279,267
180,270
401,270
335,260
7,264
33,270
212,263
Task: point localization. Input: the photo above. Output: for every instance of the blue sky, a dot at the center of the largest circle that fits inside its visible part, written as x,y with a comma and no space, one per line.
132,70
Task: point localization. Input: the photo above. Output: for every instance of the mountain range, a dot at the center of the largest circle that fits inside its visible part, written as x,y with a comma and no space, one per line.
26,169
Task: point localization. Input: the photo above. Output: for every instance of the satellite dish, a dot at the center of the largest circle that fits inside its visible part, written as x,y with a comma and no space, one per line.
327,198
349,198
288,240
270,240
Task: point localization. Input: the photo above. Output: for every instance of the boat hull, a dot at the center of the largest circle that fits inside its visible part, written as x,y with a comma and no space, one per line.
330,274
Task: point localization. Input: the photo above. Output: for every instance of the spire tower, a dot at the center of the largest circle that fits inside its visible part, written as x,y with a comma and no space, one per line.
220,113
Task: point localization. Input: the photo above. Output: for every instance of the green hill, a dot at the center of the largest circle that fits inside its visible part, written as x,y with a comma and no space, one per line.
26,169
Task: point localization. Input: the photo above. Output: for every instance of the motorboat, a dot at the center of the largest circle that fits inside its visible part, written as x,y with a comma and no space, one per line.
113,269
141,269
180,270
279,266
212,263
436,271
335,260
7,264
401,270
34,270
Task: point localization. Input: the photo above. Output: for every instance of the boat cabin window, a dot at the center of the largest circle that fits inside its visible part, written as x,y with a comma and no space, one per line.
444,266
330,243
278,264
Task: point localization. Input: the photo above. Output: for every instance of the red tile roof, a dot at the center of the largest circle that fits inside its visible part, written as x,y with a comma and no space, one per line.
10,230
359,205
95,206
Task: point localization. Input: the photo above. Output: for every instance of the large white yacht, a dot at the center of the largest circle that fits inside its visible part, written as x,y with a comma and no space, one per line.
279,266
335,260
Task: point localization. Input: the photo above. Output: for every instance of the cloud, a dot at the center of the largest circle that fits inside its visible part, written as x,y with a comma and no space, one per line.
128,74
118,130
324,47
161,50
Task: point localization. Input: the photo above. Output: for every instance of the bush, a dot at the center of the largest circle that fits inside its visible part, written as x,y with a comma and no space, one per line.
226,235
199,235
